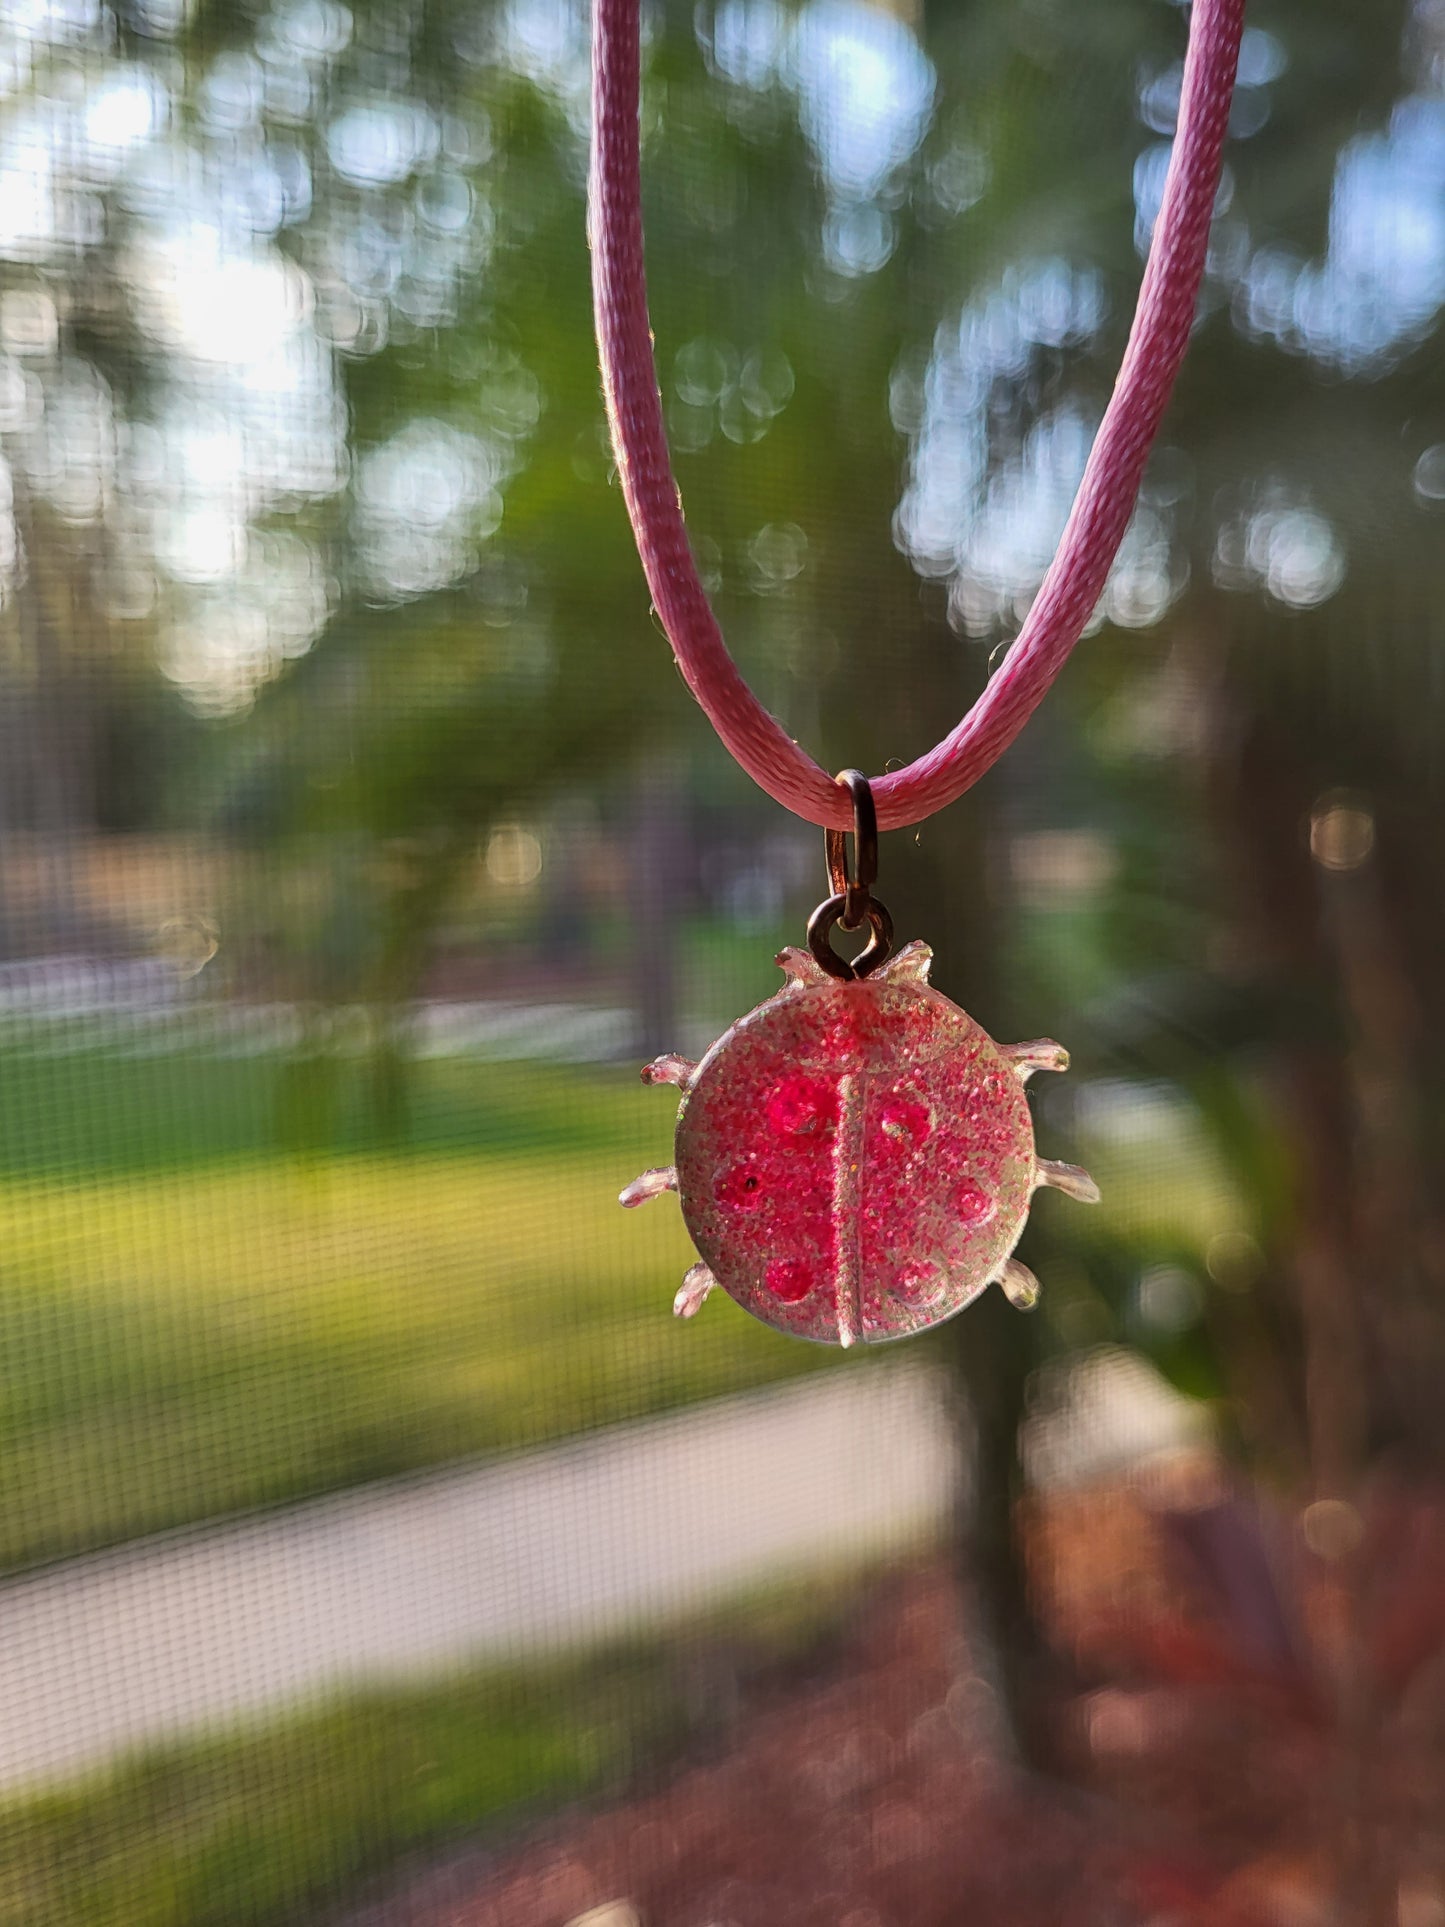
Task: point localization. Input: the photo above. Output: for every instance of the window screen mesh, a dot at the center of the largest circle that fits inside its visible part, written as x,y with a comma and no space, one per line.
374,1544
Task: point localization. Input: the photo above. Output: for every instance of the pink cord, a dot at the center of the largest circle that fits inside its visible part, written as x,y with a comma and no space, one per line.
1101,511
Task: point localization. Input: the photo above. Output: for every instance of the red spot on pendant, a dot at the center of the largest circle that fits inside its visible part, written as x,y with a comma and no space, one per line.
905,1123
974,1206
801,1106
739,1186
789,1279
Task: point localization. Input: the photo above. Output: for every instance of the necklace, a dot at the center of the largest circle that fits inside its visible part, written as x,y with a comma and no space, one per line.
855,1158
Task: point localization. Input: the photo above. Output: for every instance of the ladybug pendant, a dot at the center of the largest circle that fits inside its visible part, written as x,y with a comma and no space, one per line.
855,1158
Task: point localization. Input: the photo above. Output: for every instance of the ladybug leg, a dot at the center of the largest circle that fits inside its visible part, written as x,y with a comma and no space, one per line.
1040,1056
910,966
670,1069
651,1184
1020,1286
1067,1178
692,1291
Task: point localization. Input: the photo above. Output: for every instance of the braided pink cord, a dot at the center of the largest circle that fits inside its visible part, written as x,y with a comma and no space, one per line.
1105,501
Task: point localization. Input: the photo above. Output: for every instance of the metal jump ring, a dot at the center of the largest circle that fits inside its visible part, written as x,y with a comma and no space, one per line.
854,890
820,928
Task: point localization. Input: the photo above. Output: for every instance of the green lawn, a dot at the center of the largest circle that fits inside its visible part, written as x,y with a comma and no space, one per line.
196,1319
193,1319
266,1827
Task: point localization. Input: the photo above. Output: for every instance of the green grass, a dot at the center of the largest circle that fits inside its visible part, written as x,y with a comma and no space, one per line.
265,1827
195,1320
1165,1193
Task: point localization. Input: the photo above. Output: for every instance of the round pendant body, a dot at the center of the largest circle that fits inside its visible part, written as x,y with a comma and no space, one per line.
855,1161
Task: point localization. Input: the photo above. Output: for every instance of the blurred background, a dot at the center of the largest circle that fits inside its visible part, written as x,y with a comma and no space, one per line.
376,1547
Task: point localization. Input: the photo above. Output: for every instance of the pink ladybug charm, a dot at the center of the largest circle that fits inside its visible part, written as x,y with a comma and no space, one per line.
855,1158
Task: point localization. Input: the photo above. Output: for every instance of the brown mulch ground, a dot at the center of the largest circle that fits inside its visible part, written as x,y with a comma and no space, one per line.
865,1798
868,1792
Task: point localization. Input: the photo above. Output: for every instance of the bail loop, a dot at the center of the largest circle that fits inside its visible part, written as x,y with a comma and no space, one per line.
852,904
854,890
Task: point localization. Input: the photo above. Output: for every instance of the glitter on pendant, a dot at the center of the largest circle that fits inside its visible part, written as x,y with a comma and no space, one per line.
855,1158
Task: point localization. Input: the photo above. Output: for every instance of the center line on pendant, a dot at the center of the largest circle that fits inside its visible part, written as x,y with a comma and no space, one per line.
847,1215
